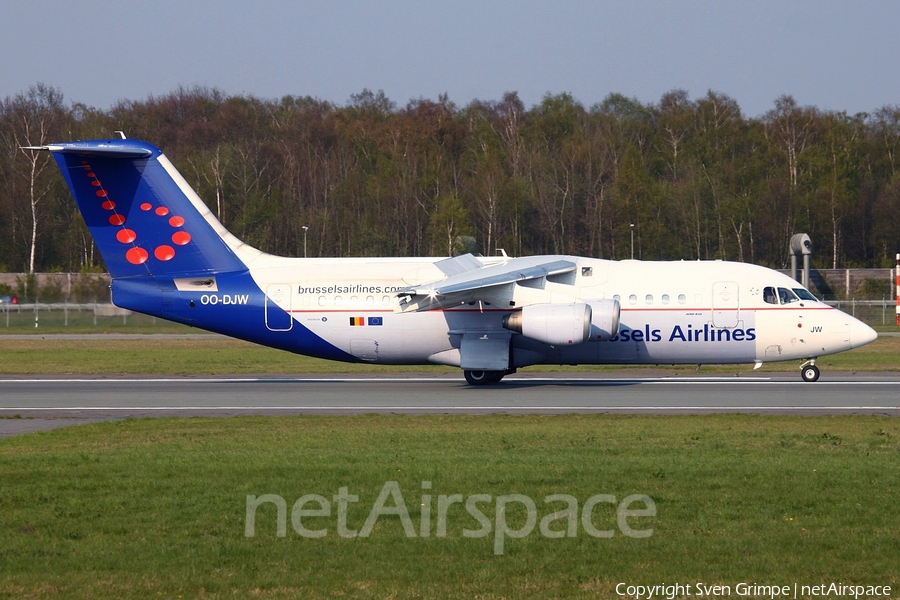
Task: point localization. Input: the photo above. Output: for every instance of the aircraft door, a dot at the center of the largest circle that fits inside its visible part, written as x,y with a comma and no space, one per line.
725,309
726,312
278,307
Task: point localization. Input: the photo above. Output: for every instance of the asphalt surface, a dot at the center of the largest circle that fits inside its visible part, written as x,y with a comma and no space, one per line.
39,403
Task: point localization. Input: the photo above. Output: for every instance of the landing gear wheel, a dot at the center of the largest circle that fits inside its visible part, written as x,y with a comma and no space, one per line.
483,377
809,373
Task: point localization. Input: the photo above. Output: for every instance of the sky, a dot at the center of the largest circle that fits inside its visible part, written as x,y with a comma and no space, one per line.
838,56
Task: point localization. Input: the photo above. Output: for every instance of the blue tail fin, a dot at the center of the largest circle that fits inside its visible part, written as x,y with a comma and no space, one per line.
142,214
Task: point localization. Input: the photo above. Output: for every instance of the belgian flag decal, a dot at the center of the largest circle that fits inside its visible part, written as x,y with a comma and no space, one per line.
363,321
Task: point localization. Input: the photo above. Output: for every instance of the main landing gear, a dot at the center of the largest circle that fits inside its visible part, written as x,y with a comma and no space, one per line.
809,371
483,377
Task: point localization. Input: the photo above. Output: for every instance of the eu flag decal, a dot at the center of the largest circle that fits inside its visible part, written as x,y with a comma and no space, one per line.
362,321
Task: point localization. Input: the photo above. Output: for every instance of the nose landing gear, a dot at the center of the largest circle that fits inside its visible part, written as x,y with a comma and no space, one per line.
809,371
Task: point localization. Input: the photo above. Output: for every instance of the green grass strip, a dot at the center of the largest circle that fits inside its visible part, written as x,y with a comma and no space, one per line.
157,507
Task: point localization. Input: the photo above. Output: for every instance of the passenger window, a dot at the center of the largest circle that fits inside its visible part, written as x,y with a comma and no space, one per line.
665,298
321,300
682,298
648,298
769,295
632,299
786,296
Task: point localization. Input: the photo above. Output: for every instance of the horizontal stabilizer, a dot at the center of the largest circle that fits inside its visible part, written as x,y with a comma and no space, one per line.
109,150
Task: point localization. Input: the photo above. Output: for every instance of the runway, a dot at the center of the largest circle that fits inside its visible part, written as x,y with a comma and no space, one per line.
31,404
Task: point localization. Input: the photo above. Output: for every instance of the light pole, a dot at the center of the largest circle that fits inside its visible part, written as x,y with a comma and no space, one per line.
632,241
305,229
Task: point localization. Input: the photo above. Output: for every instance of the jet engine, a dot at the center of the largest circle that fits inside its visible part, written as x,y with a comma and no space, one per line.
566,324
605,319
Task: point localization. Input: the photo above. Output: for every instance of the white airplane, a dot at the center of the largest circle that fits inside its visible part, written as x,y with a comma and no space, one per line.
171,258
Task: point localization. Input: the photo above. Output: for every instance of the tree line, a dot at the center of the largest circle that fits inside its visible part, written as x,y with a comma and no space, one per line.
687,178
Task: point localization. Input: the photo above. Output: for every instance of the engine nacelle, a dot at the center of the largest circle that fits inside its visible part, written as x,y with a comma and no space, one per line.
566,324
556,324
605,319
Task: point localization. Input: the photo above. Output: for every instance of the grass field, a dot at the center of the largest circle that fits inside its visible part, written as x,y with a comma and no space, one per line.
158,507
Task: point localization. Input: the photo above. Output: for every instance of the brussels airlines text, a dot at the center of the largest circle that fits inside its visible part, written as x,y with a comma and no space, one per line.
687,333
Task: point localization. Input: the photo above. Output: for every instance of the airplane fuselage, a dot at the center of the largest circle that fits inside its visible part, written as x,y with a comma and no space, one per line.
671,312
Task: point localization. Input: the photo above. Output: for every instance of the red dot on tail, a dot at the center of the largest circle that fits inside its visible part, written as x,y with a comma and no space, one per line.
162,211
95,183
137,256
91,174
108,205
126,236
176,221
146,206
181,238
164,253
102,193
117,219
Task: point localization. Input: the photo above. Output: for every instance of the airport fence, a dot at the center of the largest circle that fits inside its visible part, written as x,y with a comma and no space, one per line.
100,317
871,312
96,317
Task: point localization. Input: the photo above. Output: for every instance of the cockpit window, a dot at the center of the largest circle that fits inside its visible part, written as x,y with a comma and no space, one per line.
769,295
786,296
805,294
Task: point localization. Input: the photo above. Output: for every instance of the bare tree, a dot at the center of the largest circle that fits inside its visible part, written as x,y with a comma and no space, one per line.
791,129
35,114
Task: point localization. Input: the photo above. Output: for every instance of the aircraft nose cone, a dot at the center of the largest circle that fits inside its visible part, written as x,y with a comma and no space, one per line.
860,333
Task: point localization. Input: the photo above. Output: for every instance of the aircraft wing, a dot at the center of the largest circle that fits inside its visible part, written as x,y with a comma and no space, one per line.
468,280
